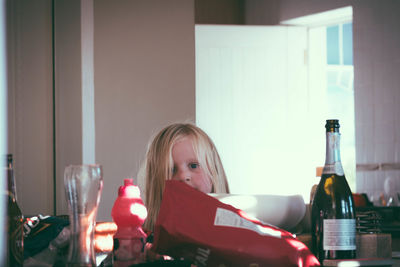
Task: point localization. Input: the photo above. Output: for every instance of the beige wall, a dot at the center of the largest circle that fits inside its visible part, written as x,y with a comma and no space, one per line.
67,93
144,79
30,124
377,90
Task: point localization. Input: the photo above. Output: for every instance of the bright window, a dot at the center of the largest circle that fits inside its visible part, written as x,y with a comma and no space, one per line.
340,90
331,75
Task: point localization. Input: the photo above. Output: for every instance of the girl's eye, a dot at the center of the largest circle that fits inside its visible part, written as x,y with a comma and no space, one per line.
173,170
193,165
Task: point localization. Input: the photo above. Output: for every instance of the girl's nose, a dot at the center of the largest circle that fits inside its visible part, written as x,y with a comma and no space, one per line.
183,176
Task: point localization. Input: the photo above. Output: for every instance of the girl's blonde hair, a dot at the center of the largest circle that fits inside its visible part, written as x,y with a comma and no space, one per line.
158,165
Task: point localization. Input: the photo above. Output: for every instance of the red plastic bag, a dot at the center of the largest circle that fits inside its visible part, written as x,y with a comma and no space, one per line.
200,228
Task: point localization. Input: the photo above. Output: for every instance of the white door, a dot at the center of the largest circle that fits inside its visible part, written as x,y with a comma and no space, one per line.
251,98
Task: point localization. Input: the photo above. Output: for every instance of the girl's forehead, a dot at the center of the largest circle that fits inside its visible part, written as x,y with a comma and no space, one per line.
189,140
184,138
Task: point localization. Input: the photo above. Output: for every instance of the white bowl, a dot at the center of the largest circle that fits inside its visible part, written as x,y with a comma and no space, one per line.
284,212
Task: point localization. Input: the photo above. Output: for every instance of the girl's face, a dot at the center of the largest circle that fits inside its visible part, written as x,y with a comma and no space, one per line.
186,166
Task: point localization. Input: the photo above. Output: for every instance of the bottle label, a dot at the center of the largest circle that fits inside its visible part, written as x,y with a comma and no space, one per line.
333,168
339,234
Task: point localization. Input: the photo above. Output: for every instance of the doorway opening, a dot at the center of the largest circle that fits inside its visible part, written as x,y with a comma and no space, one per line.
263,94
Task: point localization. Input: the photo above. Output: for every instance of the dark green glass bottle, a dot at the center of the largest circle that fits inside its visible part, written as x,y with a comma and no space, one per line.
15,219
333,220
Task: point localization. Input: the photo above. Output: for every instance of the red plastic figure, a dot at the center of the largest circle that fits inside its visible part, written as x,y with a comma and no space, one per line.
129,214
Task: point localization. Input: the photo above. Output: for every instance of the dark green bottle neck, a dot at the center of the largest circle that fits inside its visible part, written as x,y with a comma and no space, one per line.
333,162
11,186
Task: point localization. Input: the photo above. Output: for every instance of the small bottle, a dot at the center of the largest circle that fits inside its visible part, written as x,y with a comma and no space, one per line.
15,244
129,214
333,220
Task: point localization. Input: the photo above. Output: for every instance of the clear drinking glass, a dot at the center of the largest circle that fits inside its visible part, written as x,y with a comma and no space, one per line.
83,186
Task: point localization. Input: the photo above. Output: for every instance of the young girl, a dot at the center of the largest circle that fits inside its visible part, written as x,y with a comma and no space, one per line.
182,152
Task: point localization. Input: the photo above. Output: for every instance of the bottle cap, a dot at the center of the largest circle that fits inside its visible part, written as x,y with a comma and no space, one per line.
8,159
129,190
332,125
